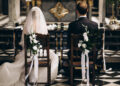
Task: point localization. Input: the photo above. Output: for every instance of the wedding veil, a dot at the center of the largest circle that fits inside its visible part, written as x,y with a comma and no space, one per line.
35,22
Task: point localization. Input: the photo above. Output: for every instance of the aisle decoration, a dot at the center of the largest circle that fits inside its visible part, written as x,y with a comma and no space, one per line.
86,45
34,47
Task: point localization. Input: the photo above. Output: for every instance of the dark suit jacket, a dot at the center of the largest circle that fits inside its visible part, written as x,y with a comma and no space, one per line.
76,27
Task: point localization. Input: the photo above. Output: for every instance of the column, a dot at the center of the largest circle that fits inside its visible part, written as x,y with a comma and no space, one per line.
90,5
14,11
90,12
28,5
102,12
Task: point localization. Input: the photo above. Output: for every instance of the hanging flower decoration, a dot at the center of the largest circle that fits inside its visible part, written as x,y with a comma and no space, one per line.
88,42
84,44
34,44
51,27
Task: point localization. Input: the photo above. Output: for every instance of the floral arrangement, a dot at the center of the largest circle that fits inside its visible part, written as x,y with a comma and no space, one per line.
51,26
34,44
86,42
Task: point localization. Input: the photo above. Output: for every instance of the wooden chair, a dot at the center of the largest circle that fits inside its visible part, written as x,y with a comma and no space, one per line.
7,45
58,42
112,46
44,60
75,58
18,36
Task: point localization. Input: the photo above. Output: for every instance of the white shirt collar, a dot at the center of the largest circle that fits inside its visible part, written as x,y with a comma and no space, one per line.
82,16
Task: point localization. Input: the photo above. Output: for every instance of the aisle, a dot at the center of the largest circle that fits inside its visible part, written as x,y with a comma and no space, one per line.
110,78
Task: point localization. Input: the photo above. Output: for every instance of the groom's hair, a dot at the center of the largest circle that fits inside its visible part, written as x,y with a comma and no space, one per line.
82,8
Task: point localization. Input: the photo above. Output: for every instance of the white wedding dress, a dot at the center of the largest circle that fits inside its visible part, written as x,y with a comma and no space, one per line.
13,74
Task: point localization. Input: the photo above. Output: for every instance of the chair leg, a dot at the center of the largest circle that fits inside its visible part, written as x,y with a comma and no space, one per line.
93,74
49,75
71,76
25,75
25,83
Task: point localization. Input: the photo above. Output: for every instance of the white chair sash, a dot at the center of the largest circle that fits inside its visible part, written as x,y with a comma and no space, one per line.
85,63
35,62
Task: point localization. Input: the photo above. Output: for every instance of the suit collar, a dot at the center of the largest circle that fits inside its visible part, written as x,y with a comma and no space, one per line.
80,18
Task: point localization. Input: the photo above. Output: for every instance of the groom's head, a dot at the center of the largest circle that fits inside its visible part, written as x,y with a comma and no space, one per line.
82,8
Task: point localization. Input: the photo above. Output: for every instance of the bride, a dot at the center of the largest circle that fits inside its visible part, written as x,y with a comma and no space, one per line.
12,74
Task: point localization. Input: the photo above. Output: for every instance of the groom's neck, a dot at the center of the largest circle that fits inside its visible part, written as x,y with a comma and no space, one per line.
82,15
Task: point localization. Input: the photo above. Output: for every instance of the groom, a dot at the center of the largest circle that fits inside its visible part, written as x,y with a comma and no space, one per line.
76,27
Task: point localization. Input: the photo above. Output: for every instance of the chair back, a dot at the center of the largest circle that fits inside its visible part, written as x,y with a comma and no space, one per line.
75,50
43,52
18,36
7,45
43,55
96,40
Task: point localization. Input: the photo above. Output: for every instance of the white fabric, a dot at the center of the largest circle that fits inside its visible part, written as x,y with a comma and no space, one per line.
35,61
31,66
35,22
103,54
13,74
36,67
85,63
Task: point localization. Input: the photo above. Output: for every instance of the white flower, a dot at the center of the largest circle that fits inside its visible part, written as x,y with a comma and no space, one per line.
34,36
34,47
54,26
87,51
79,44
30,37
40,46
85,36
84,45
51,27
35,41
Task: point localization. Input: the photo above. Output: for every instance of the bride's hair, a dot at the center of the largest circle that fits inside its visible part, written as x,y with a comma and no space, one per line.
35,22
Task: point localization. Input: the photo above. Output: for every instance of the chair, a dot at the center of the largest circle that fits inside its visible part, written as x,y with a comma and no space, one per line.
7,45
75,58
18,34
44,60
112,46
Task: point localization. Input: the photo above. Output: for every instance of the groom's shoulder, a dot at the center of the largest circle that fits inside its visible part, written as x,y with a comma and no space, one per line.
73,22
93,23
